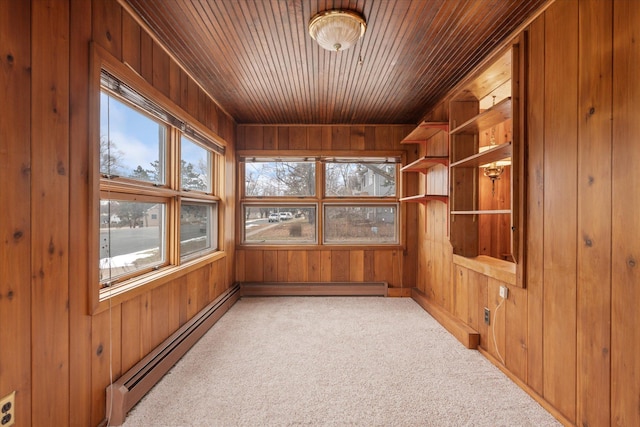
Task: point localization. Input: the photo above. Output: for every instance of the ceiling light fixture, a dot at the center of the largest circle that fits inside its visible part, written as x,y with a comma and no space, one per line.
337,30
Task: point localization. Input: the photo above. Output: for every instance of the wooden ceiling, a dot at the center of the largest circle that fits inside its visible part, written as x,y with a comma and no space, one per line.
257,60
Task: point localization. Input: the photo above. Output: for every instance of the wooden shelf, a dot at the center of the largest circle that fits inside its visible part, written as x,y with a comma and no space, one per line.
425,163
424,198
494,154
482,212
424,131
489,118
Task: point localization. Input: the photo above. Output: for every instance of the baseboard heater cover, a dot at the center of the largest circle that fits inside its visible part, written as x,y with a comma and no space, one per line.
254,289
123,394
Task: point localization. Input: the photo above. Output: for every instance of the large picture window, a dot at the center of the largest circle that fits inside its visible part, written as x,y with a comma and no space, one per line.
158,204
352,201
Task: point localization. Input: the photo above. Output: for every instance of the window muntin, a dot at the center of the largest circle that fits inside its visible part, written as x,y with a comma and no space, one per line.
149,142
360,179
276,178
360,224
197,225
132,237
132,145
280,224
195,166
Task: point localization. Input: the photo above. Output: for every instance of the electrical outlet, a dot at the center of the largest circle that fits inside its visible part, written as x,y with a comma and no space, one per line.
504,292
487,316
8,410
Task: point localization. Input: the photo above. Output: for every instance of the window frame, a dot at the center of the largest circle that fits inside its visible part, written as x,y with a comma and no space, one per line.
321,199
179,123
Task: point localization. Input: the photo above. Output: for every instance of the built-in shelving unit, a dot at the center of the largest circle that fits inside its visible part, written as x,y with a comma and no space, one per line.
421,135
484,126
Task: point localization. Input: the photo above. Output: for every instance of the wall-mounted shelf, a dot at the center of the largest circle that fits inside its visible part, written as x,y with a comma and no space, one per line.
493,116
424,198
493,154
425,163
424,131
480,212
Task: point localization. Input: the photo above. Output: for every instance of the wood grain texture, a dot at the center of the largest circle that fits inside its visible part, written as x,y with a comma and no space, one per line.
560,218
625,278
594,213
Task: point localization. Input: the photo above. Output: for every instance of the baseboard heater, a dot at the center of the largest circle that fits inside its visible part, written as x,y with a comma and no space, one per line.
254,289
123,394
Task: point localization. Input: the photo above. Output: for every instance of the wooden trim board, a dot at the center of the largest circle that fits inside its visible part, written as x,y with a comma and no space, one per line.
465,334
263,289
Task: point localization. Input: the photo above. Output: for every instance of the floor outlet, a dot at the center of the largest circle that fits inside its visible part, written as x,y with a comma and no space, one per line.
487,316
8,410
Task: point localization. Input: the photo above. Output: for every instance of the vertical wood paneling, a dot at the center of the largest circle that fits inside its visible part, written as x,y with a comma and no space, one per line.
594,213
496,330
50,193
625,267
159,315
283,266
130,42
160,70
325,266
15,229
270,266
105,359
131,348
298,138
340,138
340,266
297,262
313,266
357,138
356,264
254,263
106,20
535,205
560,222
79,214
146,57
516,331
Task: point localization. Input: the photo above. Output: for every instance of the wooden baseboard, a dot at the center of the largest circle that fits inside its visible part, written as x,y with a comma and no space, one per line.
524,386
399,292
469,337
264,289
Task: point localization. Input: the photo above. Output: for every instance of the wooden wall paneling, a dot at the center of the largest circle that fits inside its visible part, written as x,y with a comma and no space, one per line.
356,266
254,266
496,330
297,261
325,265
357,138
516,331
283,266
625,267
269,266
146,323
192,100
130,41
340,266
384,134
340,138
482,283
192,294
383,266
50,194
460,302
146,57
313,266
396,273
203,102
269,138
240,266
326,138
203,278
106,20
314,139
106,342
369,138
131,343
16,234
79,214
298,138
160,73
534,270
183,315
174,85
594,213
560,222
368,266
175,302
283,137
474,315
160,309
184,89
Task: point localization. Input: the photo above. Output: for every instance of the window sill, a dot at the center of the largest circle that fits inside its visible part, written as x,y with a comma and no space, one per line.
132,288
317,247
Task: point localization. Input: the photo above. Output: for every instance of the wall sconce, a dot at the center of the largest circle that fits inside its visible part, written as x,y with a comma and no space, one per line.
337,30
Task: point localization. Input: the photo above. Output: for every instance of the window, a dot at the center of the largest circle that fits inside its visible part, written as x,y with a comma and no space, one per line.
158,202
357,204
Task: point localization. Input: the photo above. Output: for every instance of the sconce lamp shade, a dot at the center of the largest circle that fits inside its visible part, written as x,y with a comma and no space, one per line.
337,30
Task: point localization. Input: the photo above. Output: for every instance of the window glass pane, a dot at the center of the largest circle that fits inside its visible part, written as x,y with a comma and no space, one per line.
265,178
360,179
132,145
360,224
284,224
196,225
195,166
131,237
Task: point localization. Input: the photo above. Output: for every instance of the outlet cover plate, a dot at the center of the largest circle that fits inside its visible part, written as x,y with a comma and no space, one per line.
8,410
487,316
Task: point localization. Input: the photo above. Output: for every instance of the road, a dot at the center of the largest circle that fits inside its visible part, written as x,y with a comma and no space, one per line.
129,240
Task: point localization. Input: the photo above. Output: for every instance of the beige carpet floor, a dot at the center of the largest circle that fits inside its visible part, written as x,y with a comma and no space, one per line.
334,361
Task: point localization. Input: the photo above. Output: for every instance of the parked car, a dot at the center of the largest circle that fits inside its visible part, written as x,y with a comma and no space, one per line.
274,217
285,215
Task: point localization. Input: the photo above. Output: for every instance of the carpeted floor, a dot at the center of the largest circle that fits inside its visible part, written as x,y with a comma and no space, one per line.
334,361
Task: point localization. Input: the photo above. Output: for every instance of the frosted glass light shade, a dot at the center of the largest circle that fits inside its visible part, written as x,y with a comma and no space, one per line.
337,30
